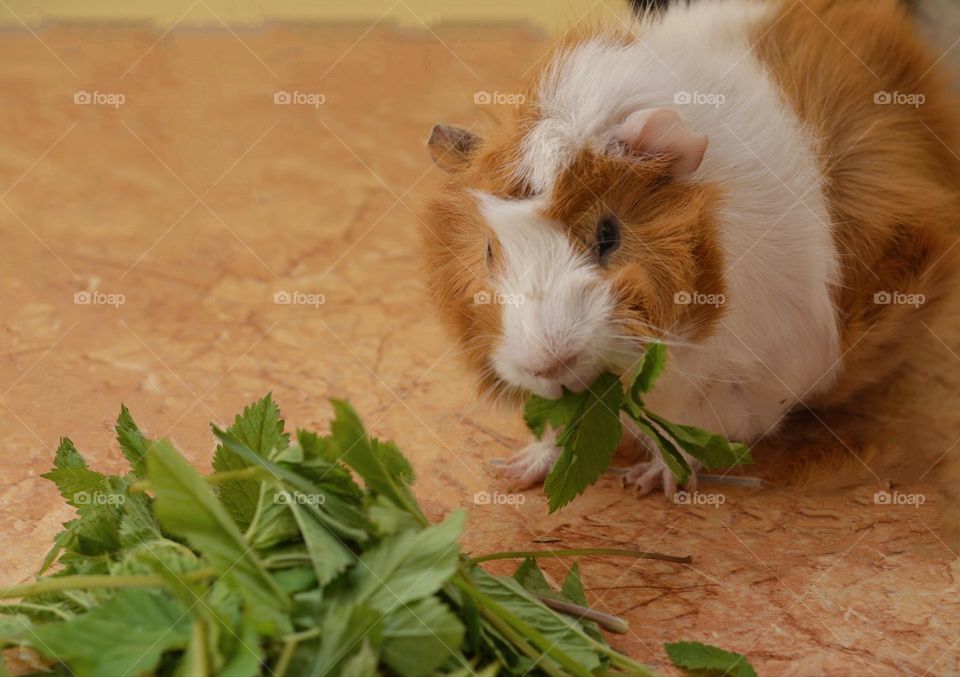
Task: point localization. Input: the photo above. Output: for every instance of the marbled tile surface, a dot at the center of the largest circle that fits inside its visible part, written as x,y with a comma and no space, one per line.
198,199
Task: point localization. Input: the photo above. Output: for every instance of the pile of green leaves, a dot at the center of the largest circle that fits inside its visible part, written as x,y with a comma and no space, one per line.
590,427
281,563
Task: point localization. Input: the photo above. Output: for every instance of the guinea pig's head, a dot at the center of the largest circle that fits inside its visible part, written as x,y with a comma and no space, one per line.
553,259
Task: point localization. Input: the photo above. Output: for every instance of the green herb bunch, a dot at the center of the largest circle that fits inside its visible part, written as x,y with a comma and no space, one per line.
590,427
281,563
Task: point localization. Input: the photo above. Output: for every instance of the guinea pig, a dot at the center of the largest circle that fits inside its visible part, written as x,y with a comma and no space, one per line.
769,188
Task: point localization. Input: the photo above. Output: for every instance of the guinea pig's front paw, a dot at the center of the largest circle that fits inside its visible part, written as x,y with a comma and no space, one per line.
646,476
530,465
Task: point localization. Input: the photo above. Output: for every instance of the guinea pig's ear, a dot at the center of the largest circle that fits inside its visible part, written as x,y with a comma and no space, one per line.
661,131
451,147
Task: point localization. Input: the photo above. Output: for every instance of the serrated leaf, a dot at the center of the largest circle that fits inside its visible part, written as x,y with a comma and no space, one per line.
246,655
320,463
711,449
708,660
529,575
589,442
327,554
647,371
95,532
420,637
125,636
563,633
78,486
572,590
381,465
408,566
138,523
342,516
133,444
573,586
389,518
540,412
363,663
342,630
186,507
67,455
14,627
260,429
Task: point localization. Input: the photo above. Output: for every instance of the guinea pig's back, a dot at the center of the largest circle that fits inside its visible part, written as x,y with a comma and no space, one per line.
885,121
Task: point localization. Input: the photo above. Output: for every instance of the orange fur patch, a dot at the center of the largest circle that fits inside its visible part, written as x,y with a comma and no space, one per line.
892,170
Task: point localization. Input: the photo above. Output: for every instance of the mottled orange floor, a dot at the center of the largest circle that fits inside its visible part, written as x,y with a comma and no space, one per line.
198,199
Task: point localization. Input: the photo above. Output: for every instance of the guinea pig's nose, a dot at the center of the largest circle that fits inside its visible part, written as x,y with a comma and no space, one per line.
556,367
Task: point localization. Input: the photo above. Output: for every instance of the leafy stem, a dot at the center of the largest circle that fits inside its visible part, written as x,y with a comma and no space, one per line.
88,582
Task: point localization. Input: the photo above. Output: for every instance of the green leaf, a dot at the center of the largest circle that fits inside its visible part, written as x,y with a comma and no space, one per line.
14,628
342,516
320,463
187,507
713,450
420,637
408,566
381,465
389,518
95,532
363,663
138,523
562,632
709,660
672,457
67,455
246,655
573,591
342,631
125,636
260,429
540,412
648,370
589,442
573,586
79,486
328,554
133,444
529,575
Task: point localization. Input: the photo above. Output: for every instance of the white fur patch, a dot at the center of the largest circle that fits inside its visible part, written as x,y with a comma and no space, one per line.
779,340
554,306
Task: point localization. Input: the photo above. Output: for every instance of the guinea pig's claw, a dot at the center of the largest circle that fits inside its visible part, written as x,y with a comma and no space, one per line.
644,477
530,466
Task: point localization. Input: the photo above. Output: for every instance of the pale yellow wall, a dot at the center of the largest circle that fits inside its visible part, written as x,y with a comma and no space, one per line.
547,14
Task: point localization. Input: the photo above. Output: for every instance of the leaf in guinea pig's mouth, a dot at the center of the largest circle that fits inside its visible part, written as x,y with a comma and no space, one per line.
591,430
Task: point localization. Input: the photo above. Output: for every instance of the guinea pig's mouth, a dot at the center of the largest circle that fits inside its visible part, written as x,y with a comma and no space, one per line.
573,372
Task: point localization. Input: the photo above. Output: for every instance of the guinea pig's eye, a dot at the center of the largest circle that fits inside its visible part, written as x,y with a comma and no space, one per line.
608,237
489,253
